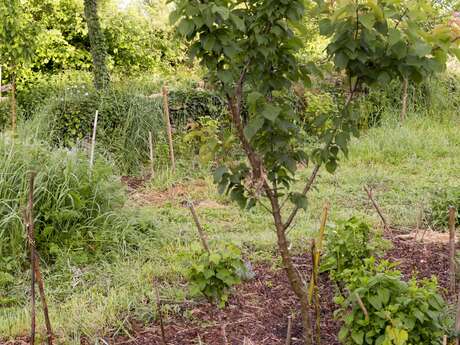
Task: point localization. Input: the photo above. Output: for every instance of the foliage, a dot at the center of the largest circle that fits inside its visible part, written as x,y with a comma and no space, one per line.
73,206
348,245
214,273
441,200
378,41
399,312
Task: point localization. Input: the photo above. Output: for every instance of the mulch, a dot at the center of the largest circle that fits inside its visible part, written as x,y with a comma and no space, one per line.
258,311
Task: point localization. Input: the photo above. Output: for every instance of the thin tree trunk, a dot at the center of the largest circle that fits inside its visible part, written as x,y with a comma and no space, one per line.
97,42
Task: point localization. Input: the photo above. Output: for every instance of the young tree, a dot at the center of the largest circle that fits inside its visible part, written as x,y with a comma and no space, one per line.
98,49
249,49
16,44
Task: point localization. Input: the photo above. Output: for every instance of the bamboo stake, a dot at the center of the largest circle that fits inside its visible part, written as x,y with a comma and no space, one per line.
160,313
377,208
152,170
168,127
201,232
31,241
93,140
452,214
289,331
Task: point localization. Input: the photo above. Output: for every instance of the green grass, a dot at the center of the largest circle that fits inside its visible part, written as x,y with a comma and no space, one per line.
403,164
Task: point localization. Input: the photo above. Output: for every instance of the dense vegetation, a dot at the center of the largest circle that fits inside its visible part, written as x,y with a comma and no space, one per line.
276,94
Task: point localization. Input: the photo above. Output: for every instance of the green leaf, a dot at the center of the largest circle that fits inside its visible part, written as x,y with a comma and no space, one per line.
271,112
222,11
300,200
325,27
208,43
368,20
358,337
239,23
343,334
421,49
331,166
219,173
252,99
341,60
394,36
185,27
253,127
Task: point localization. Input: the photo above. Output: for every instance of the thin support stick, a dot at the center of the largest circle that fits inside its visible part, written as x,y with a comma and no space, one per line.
201,232
452,216
93,140
160,313
377,208
457,322
31,241
404,99
362,306
41,289
289,331
168,127
152,169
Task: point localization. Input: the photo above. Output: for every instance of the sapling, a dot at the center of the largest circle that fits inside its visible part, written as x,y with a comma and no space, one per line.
250,51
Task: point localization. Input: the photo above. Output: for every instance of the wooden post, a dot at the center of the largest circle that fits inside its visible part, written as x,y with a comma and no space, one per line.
289,331
452,216
152,168
201,232
93,141
377,208
35,266
168,127
31,242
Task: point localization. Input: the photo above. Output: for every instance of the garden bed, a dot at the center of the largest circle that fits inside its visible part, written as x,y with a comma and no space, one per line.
259,309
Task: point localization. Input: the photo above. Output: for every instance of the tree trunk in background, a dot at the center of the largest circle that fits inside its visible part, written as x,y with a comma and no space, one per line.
97,41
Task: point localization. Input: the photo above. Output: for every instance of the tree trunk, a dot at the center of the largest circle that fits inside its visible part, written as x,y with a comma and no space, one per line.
97,41
293,275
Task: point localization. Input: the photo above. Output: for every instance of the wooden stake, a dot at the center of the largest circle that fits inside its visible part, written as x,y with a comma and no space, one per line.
31,241
35,266
377,208
452,216
160,313
93,141
444,340
152,170
201,233
457,321
289,331
168,127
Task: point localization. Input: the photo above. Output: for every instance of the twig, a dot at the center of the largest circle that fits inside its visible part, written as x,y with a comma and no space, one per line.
160,312
201,232
168,127
377,208
289,330
307,187
93,140
452,214
152,169
31,241
362,306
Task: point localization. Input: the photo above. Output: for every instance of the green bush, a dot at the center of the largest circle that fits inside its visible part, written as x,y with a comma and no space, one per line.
441,200
72,205
348,245
214,274
398,312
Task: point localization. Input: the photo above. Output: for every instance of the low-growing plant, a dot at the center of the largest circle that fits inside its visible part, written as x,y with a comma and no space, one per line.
383,309
441,200
349,243
214,273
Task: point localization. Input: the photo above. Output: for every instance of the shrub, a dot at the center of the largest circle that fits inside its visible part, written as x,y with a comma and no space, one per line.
348,245
214,273
438,212
72,205
398,312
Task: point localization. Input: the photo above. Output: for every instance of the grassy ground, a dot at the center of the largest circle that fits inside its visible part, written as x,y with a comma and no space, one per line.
403,164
